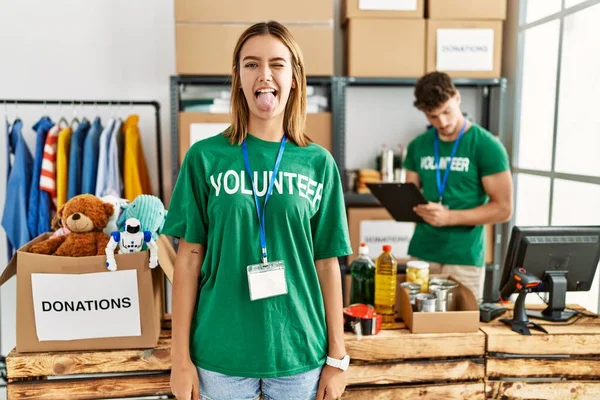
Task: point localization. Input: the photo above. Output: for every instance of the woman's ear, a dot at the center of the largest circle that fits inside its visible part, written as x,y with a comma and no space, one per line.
293,84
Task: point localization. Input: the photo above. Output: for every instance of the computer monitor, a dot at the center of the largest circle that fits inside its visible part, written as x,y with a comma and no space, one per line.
564,258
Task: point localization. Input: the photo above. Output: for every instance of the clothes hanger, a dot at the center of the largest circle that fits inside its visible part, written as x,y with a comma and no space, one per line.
75,119
84,119
62,122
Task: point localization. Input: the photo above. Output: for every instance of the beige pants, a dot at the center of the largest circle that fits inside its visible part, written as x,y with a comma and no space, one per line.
471,277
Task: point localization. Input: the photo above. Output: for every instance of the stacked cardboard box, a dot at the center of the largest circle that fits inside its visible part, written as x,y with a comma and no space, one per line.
464,37
206,32
384,38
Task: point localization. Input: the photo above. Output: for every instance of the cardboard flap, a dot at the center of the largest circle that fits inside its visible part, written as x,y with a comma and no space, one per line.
10,270
166,256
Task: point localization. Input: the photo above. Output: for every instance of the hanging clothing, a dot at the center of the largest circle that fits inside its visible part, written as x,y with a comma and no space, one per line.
9,248
38,210
14,218
103,158
136,177
91,150
121,148
48,174
114,183
75,158
62,165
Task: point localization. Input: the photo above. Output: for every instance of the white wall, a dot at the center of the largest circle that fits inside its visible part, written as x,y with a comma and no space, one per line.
92,49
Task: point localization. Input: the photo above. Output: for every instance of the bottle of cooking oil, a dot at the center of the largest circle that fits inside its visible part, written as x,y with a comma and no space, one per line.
385,286
362,289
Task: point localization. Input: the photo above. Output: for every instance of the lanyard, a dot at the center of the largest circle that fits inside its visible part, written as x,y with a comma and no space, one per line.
442,185
261,216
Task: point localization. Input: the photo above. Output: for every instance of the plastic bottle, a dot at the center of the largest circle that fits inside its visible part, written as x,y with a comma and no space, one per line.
362,269
385,286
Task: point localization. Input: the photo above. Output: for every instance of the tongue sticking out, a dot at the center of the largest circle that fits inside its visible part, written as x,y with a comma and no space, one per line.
266,101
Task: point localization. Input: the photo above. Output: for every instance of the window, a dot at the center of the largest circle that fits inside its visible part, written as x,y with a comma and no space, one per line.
533,200
571,3
557,169
575,203
578,140
537,9
540,61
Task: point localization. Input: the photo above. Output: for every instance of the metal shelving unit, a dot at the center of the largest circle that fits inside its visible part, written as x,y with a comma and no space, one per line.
493,99
177,82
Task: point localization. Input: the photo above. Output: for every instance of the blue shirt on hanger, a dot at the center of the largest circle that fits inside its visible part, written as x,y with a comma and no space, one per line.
91,153
103,146
9,248
75,159
38,213
14,217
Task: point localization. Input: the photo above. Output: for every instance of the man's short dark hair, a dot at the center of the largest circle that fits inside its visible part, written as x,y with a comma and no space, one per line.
432,90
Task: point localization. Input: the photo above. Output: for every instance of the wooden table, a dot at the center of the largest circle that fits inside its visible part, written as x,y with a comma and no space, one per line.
491,363
396,364
75,375
563,364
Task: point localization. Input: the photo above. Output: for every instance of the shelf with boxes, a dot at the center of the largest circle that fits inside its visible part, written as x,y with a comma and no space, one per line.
408,38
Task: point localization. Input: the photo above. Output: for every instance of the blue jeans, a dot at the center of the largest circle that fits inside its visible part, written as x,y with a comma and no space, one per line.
216,386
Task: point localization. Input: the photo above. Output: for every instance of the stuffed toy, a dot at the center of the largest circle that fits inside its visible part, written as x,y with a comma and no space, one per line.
85,216
57,227
147,209
131,240
117,203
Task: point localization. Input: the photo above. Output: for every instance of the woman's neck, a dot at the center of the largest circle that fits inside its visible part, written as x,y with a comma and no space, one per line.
270,130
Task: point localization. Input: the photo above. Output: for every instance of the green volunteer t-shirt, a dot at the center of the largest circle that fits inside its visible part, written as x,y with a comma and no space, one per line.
213,205
479,154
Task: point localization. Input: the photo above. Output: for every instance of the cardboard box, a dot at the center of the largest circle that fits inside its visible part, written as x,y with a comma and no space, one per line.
199,53
382,9
385,47
465,320
253,11
399,239
465,49
78,315
466,9
194,126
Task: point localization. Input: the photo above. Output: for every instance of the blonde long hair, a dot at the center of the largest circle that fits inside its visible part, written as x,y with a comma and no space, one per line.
294,119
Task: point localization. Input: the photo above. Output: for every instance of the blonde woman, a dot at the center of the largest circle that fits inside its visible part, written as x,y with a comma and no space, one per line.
259,210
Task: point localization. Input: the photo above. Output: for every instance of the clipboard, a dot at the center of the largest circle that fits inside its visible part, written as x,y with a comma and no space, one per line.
399,199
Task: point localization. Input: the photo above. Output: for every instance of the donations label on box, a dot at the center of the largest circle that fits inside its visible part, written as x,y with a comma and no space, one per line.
465,49
86,306
377,233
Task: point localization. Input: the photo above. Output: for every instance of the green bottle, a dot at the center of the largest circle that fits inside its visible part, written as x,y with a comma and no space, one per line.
362,269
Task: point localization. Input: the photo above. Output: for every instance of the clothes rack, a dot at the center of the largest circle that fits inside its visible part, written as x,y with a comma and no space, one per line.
152,103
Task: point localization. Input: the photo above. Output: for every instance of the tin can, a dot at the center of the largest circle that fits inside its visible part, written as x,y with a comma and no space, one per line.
426,302
445,290
413,290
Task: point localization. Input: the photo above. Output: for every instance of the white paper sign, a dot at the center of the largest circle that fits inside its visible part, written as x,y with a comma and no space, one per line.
388,5
204,131
86,306
465,49
377,233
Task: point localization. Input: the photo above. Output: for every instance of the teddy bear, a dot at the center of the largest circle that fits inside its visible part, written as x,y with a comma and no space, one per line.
85,216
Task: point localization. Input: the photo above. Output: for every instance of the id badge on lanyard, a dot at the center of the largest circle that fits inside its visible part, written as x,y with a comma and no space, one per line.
441,185
266,279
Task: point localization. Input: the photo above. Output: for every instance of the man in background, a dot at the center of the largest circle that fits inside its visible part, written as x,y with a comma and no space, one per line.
464,174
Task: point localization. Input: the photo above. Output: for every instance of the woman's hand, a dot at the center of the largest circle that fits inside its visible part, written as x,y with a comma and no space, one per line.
332,383
185,384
